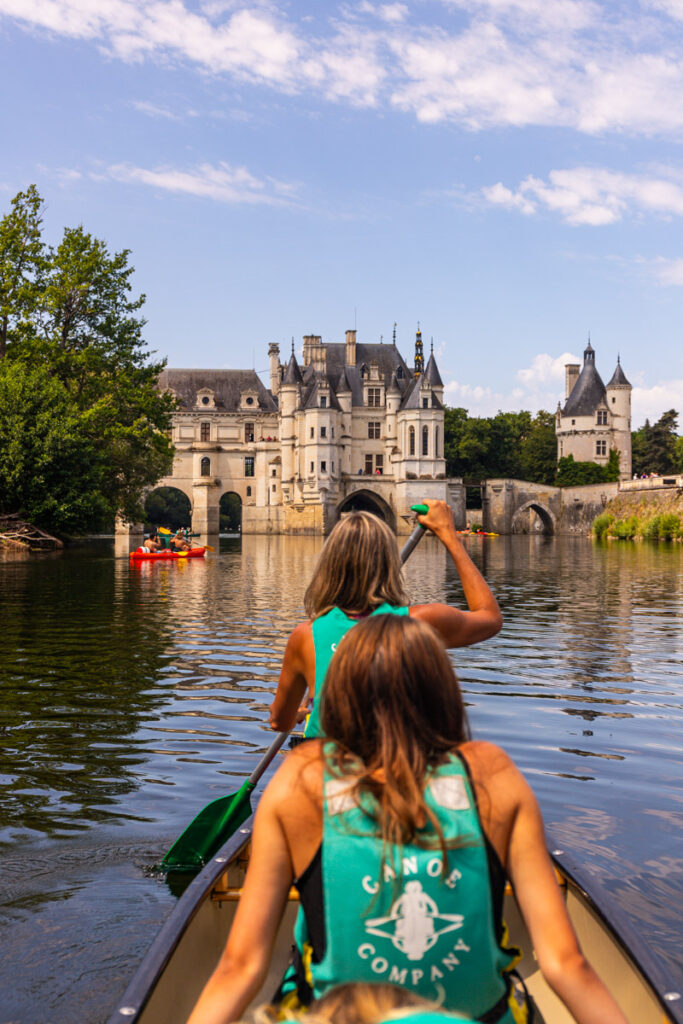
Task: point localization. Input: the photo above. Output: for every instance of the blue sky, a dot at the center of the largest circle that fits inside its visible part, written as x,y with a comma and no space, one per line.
508,173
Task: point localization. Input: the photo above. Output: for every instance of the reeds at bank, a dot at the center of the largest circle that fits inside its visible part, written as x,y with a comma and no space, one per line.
661,526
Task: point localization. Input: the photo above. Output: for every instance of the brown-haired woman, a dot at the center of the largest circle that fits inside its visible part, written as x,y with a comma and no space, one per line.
359,574
398,832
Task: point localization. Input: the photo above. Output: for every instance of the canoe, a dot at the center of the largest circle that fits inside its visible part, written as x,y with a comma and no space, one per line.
181,958
166,555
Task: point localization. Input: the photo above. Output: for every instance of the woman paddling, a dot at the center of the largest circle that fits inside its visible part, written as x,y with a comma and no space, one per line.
398,832
359,574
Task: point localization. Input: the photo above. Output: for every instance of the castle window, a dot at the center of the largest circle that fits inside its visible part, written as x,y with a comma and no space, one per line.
249,400
204,431
323,467
249,465
249,433
373,430
613,399
425,440
436,442
323,401
313,467
206,400
374,396
333,467
379,463
368,465
205,467
425,403
411,440
332,431
399,373
312,431
273,487
602,418
601,447
273,472
573,422
249,492
323,431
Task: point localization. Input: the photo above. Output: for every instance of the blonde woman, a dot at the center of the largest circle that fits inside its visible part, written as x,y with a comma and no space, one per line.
359,574
399,832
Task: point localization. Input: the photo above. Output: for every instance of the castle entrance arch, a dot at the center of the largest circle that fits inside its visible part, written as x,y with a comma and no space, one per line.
230,512
529,514
368,501
168,506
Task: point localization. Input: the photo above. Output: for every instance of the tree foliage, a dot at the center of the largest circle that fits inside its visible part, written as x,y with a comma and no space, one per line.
656,447
509,444
76,383
168,506
574,474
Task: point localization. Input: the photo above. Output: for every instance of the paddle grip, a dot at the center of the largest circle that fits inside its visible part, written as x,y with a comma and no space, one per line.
417,534
267,758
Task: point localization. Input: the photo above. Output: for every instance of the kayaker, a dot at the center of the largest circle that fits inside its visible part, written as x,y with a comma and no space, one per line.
359,574
401,864
179,542
373,1004
151,543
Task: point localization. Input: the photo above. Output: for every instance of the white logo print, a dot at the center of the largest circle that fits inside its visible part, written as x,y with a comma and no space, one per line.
412,923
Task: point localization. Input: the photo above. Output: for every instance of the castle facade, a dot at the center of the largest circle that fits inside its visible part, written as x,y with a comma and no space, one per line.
352,426
595,418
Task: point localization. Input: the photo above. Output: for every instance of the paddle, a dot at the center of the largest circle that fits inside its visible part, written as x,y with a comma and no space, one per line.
222,817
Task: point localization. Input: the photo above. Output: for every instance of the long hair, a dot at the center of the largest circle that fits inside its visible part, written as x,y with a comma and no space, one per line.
393,708
358,568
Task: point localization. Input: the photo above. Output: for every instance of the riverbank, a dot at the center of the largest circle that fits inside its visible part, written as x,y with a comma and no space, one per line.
642,515
17,533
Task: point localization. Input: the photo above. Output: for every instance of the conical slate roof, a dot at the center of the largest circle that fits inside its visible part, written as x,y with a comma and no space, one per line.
432,375
619,378
292,373
588,391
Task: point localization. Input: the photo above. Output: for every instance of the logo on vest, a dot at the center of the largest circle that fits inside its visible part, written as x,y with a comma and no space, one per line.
414,924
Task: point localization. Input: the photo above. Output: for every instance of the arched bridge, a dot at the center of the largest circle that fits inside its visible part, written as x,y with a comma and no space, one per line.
517,506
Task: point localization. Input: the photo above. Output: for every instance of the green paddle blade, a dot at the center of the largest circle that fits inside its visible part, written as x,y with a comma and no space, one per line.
212,827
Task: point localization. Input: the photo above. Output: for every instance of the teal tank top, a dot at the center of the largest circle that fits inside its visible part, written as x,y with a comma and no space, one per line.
403,921
328,630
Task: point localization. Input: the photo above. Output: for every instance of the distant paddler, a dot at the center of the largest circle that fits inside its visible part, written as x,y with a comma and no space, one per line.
179,542
359,574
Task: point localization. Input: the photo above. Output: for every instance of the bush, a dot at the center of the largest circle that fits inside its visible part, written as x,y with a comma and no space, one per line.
602,524
669,526
626,529
651,528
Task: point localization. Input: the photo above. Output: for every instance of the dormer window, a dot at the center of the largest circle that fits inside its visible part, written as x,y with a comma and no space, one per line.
399,373
205,399
323,401
248,401
602,417
374,396
425,401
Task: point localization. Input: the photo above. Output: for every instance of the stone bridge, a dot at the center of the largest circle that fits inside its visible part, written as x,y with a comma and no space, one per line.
517,506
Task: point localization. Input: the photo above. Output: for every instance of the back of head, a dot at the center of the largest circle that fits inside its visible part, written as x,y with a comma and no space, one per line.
358,569
392,705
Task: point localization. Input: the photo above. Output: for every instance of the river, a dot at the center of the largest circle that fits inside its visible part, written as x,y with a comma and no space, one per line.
130,697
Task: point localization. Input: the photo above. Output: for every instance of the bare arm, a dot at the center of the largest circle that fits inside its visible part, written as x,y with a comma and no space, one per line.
458,628
562,963
297,674
243,967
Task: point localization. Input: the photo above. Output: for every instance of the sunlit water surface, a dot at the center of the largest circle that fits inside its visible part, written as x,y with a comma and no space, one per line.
130,697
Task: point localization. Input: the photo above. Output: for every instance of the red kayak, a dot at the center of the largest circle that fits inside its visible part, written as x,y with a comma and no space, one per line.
165,556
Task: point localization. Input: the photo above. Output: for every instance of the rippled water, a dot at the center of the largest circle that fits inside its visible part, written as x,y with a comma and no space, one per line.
130,697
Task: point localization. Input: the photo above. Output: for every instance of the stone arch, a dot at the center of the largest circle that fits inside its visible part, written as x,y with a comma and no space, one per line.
367,501
164,506
542,511
230,506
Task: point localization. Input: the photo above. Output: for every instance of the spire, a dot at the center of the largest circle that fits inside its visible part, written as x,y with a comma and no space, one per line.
292,373
589,352
419,355
432,375
619,377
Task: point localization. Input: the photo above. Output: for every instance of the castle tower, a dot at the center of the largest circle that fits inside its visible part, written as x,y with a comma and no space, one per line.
290,395
275,368
618,394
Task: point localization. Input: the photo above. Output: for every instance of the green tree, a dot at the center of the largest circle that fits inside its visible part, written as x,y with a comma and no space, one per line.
22,263
83,326
654,446
538,455
573,474
168,506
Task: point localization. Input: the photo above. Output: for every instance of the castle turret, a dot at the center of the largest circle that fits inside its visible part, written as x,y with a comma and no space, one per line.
618,395
432,375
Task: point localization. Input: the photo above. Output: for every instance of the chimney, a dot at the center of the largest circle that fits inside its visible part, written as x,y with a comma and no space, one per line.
350,348
275,368
571,375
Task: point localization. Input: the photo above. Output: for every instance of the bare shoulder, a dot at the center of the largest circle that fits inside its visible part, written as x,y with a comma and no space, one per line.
300,635
490,765
299,777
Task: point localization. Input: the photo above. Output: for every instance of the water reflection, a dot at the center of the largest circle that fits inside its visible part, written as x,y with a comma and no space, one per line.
131,696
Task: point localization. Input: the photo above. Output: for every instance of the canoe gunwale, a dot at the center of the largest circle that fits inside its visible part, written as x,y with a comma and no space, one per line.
169,936
622,932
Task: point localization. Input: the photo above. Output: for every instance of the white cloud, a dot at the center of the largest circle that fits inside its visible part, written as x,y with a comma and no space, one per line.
592,195
545,369
223,182
162,113
650,403
572,63
668,272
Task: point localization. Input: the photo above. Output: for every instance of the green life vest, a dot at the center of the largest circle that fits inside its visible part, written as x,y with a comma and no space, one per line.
403,920
328,630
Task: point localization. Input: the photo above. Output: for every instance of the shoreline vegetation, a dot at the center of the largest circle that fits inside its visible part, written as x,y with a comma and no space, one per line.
16,532
641,516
